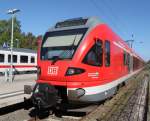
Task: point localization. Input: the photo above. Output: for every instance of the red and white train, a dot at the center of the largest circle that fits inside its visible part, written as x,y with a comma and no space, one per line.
82,61
24,60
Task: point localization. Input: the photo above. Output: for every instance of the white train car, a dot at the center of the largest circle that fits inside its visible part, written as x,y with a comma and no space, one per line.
24,60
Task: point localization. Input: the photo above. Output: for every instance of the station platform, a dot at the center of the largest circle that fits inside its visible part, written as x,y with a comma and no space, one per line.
13,92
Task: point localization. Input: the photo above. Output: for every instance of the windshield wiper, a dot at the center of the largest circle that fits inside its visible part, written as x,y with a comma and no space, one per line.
55,59
74,41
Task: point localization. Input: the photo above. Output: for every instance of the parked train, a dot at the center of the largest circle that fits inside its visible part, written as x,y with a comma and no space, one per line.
24,60
82,61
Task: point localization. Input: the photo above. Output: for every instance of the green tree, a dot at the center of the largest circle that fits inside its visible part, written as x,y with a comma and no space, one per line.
25,40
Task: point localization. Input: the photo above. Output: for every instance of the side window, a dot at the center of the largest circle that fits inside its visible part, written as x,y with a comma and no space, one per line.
32,60
14,58
107,53
2,57
23,59
128,59
94,56
125,58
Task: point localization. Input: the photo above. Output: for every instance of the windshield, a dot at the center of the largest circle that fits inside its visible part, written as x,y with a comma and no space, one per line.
61,44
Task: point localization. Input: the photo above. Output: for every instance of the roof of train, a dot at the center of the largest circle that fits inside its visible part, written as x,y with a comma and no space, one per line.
81,22
85,22
19,50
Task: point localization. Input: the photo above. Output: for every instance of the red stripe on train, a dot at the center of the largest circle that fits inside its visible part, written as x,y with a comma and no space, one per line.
17,66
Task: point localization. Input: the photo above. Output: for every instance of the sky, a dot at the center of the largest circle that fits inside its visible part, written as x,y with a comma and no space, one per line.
125,17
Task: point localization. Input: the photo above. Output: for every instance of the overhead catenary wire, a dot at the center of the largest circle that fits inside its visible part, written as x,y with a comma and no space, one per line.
111,17
116,17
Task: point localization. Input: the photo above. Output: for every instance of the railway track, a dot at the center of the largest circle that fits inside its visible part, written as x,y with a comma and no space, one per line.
133,108
122,107
70,115
128,105
11,94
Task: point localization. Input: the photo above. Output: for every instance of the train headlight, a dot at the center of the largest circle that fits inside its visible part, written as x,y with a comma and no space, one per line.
80,92
74,71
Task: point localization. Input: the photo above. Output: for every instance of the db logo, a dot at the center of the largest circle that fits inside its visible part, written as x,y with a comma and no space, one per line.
52,70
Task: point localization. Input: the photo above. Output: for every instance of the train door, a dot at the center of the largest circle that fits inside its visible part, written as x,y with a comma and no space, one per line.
107,61
130,63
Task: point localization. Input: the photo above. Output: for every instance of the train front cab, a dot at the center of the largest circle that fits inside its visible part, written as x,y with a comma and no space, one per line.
82,63
84,74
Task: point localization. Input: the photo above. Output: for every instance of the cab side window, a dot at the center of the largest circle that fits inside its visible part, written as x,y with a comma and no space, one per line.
94,56
107,53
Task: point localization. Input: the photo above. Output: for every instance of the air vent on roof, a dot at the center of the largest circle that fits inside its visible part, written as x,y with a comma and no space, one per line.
71,22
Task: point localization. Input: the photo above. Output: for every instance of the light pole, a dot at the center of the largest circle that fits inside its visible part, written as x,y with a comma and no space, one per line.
17,43
12,12
130,43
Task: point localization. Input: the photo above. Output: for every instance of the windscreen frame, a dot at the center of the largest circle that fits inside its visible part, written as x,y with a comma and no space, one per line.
64,32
